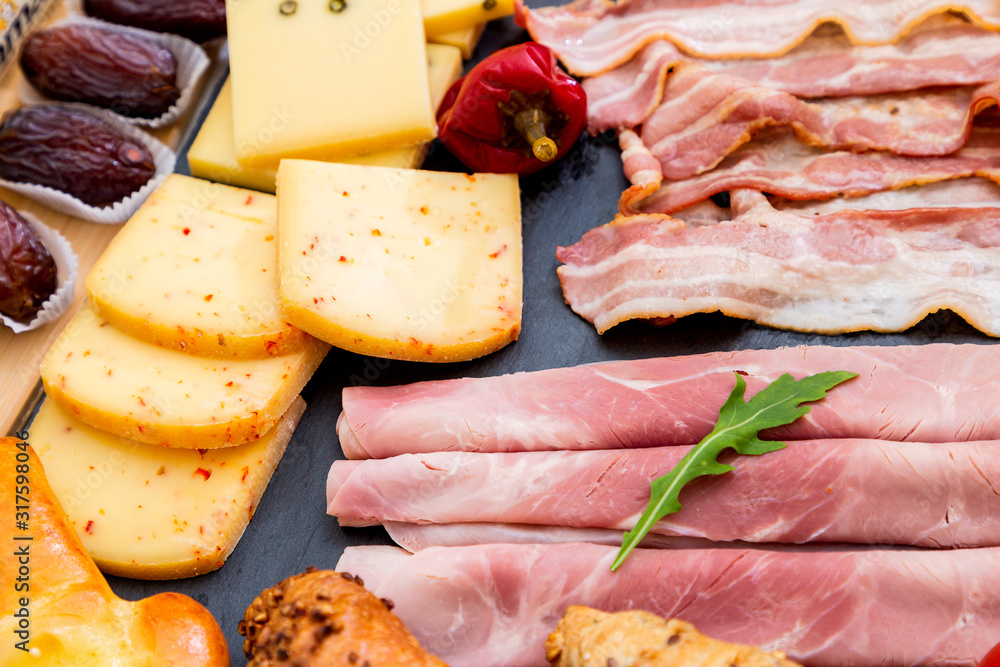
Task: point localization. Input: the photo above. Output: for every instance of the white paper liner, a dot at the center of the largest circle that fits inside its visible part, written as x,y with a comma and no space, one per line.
163,158
192,63
66,267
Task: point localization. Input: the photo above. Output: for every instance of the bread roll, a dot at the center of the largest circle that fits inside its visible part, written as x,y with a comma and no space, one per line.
587,637
322,617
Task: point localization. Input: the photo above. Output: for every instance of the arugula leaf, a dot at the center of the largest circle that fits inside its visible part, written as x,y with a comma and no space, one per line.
740,421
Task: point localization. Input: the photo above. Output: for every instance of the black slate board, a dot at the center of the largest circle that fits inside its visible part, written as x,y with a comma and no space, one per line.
291,531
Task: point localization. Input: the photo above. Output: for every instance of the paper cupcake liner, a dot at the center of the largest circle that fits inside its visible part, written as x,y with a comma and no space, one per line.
163,158
192,63
66,268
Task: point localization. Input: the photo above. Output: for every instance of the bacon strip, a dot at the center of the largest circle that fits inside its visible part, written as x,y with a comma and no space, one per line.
961,193
844,490
593,36
705,116
495,604
943,51
776,162
836,273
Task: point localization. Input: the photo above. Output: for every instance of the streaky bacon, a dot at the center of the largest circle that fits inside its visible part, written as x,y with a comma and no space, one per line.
845,271
930,393
777,163
844,491
593,36
706,115
960,193
493,605
942,51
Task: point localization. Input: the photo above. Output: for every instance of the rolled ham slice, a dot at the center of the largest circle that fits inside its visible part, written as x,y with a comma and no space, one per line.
414,537
494,605
929,393
844,490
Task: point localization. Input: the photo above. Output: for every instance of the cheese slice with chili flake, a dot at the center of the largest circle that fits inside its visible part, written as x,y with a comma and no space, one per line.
400,263
150,512
145,392
195,270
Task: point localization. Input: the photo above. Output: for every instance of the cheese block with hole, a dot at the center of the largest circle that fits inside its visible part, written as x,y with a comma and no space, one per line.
465,40
295,67
400,263
151,512
194,269
138,390
444,16
213,153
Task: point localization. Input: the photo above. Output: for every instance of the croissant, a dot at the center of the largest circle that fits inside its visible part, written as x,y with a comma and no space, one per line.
58,609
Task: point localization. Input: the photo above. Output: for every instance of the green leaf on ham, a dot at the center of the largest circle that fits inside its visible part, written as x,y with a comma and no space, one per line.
778,404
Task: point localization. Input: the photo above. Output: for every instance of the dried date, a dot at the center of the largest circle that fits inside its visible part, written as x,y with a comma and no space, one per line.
27,270
109,68
199,20
73,150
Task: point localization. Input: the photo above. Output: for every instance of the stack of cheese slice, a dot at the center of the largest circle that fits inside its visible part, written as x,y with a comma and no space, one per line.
365,63
213,153
181,347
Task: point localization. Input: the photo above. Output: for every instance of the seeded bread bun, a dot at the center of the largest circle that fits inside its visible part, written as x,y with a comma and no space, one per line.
322,617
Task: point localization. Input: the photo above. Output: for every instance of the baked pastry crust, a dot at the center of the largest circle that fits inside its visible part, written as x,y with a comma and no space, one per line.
74,617
587,637
323,617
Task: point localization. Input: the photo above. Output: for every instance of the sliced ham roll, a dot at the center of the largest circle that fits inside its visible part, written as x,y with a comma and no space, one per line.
494,605
844,490
416,537
930,393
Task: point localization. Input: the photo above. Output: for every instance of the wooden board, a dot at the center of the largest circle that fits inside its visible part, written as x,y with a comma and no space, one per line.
21,354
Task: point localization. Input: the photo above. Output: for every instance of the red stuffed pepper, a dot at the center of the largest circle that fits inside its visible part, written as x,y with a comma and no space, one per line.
514,112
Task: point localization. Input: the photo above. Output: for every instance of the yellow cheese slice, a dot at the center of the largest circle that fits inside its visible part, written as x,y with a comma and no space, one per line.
151,512
399,263
195,269
465,40
444,16
213,153
312,82
137,390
